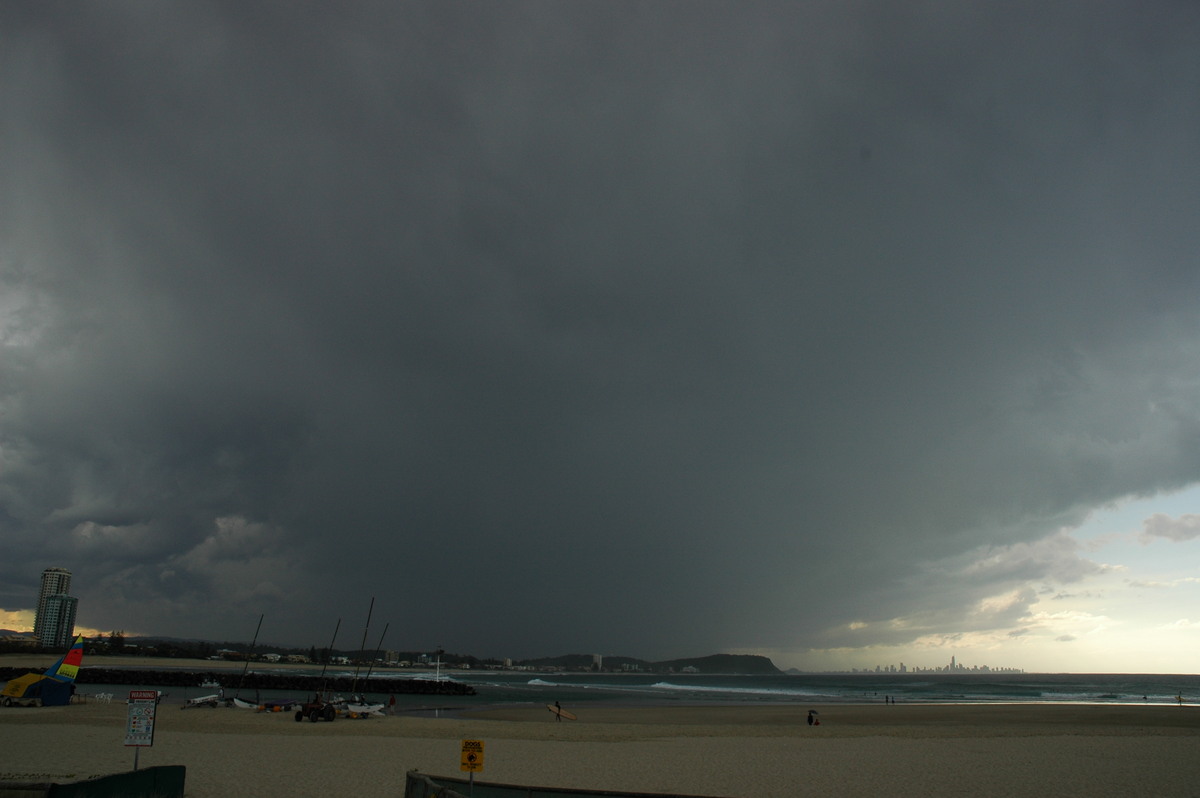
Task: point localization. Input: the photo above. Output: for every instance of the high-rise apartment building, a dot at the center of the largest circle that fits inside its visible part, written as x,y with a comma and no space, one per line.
54,624
58,622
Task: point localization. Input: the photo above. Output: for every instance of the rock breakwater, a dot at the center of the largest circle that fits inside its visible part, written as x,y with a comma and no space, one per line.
259,681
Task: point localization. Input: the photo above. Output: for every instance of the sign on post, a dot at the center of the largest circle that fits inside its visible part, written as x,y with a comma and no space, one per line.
472,755
140,731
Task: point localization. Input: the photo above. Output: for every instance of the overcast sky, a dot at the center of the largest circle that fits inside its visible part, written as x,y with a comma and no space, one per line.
848,333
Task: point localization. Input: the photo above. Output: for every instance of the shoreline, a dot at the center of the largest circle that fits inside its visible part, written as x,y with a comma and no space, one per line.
841,719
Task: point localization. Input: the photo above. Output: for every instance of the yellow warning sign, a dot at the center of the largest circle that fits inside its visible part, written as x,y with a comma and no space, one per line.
472,755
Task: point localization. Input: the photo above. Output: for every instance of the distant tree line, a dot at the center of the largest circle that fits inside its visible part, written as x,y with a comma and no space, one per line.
118,643
716,663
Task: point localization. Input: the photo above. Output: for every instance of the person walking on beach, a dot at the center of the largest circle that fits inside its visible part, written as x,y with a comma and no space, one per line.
558,712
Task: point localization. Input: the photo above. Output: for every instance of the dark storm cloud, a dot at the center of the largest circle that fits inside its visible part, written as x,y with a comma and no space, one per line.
635,328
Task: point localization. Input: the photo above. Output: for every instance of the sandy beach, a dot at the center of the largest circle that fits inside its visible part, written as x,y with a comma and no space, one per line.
932,750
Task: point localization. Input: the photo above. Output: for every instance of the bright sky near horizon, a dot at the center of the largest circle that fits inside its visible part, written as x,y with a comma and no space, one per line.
1123,601
848,333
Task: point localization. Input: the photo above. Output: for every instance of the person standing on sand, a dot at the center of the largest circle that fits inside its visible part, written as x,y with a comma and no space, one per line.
558,712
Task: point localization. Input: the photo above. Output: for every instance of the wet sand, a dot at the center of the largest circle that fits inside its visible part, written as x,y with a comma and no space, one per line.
931,750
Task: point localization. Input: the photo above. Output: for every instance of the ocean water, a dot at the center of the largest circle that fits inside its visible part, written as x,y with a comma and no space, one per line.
835,688
575,689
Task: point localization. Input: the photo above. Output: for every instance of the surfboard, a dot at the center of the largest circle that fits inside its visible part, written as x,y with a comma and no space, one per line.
562,713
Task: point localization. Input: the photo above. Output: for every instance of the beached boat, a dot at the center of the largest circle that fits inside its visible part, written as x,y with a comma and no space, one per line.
359,708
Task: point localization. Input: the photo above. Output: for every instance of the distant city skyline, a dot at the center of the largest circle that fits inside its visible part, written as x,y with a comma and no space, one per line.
952,667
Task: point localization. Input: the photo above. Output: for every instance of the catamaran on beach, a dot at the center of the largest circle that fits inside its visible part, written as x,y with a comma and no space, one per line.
52,687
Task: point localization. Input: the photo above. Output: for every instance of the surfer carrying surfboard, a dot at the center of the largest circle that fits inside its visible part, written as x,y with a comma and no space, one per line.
559,712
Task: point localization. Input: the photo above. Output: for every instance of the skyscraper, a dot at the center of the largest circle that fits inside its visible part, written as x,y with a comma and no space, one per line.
58,622
54,624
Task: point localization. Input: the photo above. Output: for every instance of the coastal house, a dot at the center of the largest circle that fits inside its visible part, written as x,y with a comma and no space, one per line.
19,641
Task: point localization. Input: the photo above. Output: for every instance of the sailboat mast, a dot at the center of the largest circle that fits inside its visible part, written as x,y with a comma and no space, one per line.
377,648
329,656
363,646
249,654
